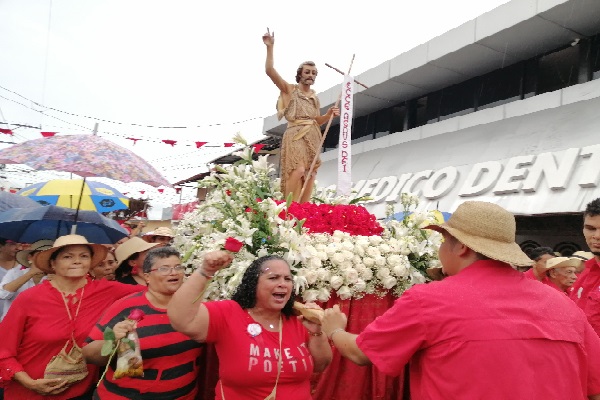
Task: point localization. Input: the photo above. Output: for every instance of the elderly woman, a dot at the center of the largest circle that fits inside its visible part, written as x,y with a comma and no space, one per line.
106,269
169,357
262,349
562,273
45,318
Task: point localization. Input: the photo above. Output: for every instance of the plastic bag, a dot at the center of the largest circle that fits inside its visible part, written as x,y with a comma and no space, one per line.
129,357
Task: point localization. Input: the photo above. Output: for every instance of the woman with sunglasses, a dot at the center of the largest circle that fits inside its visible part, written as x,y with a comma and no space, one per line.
169,357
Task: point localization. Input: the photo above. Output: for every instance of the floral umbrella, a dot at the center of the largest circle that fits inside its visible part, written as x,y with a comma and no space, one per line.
84,155
96,196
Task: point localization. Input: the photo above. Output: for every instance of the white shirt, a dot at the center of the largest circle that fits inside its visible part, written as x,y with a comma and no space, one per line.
6,297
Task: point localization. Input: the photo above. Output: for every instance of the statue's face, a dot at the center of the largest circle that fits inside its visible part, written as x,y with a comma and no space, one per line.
308,75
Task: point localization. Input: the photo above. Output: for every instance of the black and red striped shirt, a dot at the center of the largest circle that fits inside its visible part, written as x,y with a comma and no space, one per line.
169,357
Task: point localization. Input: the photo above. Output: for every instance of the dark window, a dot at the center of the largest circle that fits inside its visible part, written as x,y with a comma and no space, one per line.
458,99
418,112
558,70
501,86
398,118
595,57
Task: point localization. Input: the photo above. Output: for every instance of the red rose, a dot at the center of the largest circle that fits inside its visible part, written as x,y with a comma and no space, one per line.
136,315
233,245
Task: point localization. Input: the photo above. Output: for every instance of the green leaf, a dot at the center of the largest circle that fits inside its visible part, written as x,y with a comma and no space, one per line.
107,347
109,334
131,343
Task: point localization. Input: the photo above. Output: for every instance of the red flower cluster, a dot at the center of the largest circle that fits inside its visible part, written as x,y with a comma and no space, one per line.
233,245
327,218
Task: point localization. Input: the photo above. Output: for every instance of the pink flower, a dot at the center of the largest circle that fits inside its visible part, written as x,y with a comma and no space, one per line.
136,315
233,245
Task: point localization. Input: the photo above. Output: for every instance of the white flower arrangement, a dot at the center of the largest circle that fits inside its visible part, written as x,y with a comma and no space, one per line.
244,203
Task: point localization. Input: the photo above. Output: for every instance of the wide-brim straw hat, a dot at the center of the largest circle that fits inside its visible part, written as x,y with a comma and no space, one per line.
161,231
559,262
42,259
583,255
130,247
40,245
488,229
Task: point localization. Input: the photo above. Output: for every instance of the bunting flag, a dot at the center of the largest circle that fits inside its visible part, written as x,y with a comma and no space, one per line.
171,142
258,147
48,134
6,131
161,190
133,139
344,180
200,144
177,190
229,144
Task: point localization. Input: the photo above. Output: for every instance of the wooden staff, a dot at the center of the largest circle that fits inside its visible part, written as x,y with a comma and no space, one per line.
342,72
312,166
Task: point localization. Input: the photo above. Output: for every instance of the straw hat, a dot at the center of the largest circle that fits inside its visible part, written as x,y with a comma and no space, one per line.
558,262
40,245
130,247
583,255
161,231
42,259
487,229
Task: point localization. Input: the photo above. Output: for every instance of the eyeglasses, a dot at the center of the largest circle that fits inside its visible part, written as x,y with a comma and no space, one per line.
164,270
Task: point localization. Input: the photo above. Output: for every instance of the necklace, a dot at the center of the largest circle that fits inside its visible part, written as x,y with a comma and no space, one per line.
269,324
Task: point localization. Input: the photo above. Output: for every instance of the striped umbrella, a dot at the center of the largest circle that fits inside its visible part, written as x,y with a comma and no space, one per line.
96,196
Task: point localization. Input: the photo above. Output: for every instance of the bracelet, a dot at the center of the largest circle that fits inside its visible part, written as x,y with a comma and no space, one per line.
204,274
315,334
336,331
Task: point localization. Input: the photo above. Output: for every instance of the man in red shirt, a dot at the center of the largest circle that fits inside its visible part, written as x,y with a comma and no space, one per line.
540,255
586,290
474,335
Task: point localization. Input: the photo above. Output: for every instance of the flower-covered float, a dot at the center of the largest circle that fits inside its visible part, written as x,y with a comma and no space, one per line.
333,245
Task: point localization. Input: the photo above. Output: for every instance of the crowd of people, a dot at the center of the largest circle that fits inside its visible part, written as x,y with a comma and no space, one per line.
498,325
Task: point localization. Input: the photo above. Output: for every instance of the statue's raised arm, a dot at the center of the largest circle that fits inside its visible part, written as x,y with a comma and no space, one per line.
269,41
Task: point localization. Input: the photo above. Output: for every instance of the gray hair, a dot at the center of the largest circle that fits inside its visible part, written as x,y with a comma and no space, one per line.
158,253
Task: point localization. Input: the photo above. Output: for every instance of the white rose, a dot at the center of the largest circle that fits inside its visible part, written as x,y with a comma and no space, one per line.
389,282
350,274
336,281
359,285
320,247
373,251
375,240
394,259
356,260
322,255
380,261
359,250
331,249
338,235
344,293
310,295
383,273
368,261
362,242
347,245
346,265
323,274
384,248
348,255
311,277
366,274
400,270
313,262
324,294
337,258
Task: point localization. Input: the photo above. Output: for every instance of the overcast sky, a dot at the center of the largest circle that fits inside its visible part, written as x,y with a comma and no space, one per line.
192,64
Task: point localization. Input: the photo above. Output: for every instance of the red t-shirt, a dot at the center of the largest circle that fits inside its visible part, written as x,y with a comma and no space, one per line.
585,292
37,327
248,365
169,357
486,333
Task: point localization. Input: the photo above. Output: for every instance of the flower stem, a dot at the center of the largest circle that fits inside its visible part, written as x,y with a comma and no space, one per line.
203,290
108,362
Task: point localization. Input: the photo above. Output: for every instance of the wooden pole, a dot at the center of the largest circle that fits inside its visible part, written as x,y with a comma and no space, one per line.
312,166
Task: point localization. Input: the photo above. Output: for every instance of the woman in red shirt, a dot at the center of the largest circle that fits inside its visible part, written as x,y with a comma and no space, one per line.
42,319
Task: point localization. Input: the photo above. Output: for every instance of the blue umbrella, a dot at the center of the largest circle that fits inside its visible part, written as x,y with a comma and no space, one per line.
27,225
10,200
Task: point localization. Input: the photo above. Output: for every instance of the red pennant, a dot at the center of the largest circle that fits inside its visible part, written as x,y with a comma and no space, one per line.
161,190
229,144
48,134
142,191
6,131
171,142
177,190
13,190
133,139
125,193
258,147
200,144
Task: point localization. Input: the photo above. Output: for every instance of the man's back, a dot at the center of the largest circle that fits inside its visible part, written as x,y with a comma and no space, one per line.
490,333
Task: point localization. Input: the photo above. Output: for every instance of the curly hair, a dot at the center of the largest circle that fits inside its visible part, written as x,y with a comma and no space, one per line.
592,209
245,294
301,67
